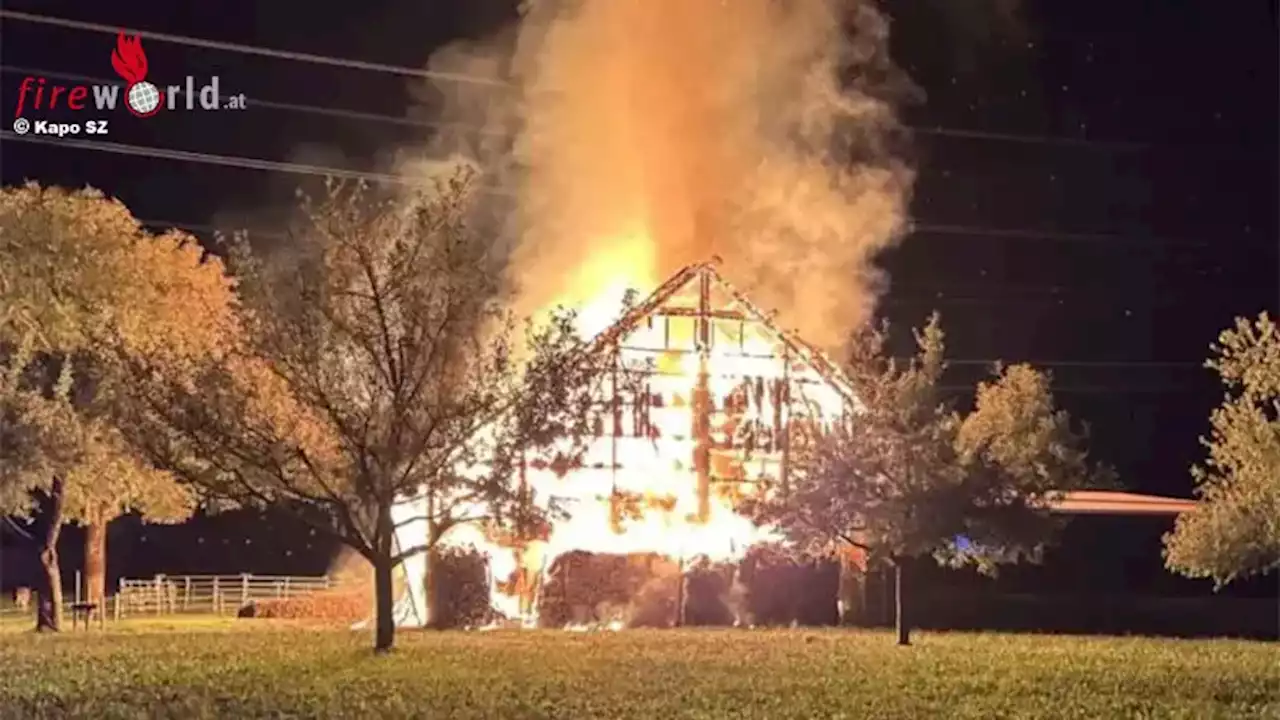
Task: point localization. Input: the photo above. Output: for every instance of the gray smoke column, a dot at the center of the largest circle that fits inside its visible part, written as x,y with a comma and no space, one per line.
637,136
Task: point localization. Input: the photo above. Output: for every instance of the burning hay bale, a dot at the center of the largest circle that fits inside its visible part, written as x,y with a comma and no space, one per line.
710,594
584,588
462,589
638,590
784,590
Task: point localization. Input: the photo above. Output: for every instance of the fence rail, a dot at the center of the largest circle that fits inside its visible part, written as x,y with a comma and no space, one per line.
209,594
195,594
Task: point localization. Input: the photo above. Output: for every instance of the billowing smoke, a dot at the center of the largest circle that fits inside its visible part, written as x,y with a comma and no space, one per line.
627,138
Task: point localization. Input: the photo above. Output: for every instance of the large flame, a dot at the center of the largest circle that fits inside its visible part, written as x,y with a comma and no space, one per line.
661,481
640,136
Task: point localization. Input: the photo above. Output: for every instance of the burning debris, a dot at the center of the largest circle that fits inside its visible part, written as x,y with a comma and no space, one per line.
640,136
723,401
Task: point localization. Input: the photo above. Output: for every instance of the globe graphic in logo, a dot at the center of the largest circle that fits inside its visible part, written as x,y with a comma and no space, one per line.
144,98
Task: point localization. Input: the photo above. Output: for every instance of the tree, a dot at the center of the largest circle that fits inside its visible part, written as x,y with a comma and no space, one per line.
905,476
81,283
1234,531
379,363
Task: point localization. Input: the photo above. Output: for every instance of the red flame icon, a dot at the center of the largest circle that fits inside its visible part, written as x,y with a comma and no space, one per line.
130,62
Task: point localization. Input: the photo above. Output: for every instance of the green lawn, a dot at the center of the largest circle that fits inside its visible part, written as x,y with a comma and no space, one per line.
206,669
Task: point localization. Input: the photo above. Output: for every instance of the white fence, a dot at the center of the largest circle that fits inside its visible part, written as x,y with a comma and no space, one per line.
208,594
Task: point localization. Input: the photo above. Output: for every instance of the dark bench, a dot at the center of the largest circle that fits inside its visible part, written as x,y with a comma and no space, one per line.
85,611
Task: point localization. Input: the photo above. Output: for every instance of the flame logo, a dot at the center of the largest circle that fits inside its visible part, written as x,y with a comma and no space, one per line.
128,59
142,98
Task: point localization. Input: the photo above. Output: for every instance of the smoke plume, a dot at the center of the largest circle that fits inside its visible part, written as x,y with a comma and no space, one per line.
628,138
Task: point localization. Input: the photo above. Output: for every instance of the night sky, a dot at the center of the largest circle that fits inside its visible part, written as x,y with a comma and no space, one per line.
1097,194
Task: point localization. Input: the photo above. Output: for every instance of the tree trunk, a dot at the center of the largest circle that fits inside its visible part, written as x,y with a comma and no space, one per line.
431,589
384,606
49,612
95,560
901,621
384,564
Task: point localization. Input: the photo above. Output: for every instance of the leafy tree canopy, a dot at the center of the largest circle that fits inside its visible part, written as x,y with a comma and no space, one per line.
905,475
1234,531
379,363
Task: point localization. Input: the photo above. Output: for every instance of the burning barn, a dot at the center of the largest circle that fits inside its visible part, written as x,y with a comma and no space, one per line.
716,400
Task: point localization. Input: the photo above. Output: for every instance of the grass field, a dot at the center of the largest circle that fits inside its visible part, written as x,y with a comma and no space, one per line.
181,669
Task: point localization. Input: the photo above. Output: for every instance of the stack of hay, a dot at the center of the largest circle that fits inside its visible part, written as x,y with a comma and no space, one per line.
463,593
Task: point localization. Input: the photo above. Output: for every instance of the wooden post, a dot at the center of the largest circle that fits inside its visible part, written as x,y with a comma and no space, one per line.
217,597
186,593
701,404
615,430
155,592
79,584
244,589
679,619
782,422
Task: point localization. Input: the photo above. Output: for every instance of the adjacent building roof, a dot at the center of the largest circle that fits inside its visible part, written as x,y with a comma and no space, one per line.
1107,502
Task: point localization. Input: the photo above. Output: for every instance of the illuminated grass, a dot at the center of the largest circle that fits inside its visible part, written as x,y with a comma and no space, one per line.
283,672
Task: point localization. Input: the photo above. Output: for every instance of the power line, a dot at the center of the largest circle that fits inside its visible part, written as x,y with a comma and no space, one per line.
1143,364
956,362
1030,234
1118,390
1118,145
236,161
1070,389
917,228
941,131
253,50
250,163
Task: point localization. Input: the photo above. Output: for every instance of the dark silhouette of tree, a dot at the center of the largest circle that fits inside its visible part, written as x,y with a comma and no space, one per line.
378,362
905,476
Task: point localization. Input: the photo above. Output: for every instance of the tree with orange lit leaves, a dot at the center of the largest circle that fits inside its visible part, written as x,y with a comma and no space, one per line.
81,286
379,364
906,476
1234,531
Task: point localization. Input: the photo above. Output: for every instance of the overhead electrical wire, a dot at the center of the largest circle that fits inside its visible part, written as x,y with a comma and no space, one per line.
296,168
469,78
317,170
251,49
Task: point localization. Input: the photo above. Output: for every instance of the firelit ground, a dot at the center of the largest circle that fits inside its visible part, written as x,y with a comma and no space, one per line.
224,669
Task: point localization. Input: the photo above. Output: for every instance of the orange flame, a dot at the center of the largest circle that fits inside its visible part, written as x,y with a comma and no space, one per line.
658,479
129,59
